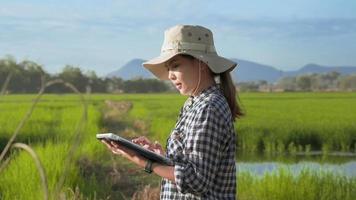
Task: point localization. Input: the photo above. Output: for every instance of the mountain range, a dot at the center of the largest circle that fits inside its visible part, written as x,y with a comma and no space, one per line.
246,71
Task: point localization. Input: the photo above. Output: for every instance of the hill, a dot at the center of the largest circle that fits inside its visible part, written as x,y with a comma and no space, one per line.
246,71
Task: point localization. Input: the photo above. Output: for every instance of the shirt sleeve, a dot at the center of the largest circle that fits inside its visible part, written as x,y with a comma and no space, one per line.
195,169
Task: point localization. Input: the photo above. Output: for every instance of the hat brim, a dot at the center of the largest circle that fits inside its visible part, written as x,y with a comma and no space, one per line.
216,63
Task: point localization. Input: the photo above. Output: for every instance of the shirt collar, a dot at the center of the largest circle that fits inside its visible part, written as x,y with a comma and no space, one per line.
204,93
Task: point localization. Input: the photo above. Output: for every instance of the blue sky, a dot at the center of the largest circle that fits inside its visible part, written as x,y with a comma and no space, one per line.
102,35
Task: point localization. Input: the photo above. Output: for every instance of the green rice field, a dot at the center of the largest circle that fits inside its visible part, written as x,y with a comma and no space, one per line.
77,166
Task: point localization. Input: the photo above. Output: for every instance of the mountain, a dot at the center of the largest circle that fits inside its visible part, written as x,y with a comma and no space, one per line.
314,68
246,71
251,71
132,69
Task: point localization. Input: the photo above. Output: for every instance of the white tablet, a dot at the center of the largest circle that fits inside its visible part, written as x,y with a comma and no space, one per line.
135,147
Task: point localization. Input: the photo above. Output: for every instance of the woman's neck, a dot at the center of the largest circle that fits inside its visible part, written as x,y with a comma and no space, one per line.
203,86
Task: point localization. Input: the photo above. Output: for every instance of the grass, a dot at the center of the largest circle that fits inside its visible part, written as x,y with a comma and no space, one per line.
50,132
283,122
274,122
308,185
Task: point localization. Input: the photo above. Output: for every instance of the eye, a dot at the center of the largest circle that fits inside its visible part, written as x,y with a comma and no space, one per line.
175,66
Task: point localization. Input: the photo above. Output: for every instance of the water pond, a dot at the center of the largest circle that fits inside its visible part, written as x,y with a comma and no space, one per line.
336,162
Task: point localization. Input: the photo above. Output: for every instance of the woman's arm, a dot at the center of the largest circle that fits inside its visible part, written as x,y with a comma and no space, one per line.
161,170
164,171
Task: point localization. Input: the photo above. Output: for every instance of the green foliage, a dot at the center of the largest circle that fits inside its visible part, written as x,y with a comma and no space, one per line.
27,76
308,185
349,83
144,85
50,132
23,77
248,86
330,81
275,123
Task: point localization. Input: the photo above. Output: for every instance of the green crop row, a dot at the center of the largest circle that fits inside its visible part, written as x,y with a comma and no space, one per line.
286,122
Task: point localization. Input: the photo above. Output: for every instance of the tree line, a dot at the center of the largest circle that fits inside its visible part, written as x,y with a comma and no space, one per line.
27,76
330,81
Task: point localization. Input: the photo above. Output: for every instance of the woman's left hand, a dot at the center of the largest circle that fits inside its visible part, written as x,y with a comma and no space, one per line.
123,151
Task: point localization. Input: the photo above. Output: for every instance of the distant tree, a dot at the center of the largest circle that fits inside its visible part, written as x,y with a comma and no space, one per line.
33,74
71,75
8,69
262,82
144,86
287,83
304,82
327,81
114,84
248,86
348,82
26,77
96,84
5,76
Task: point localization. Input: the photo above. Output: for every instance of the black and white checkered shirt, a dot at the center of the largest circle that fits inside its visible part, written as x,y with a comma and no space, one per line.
202,146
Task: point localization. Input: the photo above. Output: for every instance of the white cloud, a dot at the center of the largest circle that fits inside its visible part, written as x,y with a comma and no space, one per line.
109,33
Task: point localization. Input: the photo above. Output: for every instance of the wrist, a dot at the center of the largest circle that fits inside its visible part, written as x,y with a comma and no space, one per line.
149,166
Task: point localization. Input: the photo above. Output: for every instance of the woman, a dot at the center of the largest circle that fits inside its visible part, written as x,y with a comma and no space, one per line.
202,144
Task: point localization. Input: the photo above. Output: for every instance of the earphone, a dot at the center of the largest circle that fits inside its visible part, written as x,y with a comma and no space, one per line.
191,94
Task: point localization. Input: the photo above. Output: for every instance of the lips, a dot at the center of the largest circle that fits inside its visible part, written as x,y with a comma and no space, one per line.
178,85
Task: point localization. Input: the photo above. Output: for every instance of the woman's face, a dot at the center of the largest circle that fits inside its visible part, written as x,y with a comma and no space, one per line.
183,72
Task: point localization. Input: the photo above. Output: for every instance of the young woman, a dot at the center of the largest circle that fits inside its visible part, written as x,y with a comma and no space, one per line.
202,143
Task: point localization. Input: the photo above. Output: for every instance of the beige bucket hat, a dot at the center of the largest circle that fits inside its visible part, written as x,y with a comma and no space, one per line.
196,41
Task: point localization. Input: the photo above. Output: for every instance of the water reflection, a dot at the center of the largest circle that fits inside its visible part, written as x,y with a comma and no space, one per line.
348,169
339,164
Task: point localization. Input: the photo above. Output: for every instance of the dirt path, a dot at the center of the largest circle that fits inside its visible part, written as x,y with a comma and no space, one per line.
115,120
126,181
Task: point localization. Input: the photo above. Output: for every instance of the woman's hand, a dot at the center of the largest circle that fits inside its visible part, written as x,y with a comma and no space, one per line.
161,170
146,143
127,153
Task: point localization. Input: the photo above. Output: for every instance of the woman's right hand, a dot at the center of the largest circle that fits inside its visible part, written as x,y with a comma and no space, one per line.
146,143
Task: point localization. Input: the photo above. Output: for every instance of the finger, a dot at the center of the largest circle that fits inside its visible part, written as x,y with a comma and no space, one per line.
116,145
144,138
137,139
141,140
106,143
159,151
115,151
136,142
115,148
110,147
103,141
158,148
157,144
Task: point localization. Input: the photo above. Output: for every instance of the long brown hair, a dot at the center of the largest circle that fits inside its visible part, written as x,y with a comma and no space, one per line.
231,95
228,88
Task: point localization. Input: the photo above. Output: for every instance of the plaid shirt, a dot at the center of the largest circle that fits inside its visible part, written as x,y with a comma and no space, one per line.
202,146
